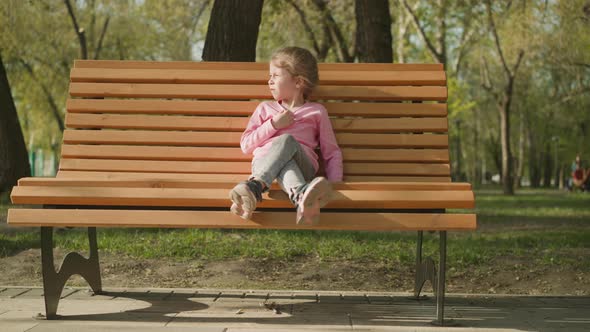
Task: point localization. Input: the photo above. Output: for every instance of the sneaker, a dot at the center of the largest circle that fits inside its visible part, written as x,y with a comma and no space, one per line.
314,196
244,197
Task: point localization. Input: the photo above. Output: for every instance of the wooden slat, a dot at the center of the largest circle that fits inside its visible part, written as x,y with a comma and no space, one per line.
229,91
405,178
63,174
245,108
208,197
132,152
101,175
210,167
350,168
172,122
224,76
151,138
410,169
222,219
164,122
220,65
154,182
232,139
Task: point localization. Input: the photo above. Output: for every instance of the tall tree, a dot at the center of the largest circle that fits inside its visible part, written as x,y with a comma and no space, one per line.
373,31
504,102
14,161
233,31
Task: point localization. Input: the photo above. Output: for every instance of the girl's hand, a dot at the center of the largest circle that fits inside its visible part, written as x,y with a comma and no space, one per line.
283,119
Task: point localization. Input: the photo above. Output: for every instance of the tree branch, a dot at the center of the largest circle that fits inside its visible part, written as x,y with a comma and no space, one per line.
486,82
466,35
308,28
402,32
50,99
197,18
496,38
587,65
465,40
335,32
103,32
79,31
429,45
518,61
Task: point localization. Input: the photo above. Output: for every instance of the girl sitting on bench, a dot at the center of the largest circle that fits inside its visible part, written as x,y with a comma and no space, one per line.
282,135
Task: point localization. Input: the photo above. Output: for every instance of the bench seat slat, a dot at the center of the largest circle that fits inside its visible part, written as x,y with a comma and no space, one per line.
229,91
235,154
62,174
370,199
350,168
171,122
238,76
223,219
217,65
154,182
229,139
245,108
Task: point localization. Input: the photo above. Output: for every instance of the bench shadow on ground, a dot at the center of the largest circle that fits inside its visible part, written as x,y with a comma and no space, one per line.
521,313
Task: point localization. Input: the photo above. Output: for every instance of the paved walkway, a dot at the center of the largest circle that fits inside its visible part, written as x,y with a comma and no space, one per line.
233,310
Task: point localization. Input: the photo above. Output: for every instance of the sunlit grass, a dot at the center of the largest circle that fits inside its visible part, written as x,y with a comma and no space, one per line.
540,239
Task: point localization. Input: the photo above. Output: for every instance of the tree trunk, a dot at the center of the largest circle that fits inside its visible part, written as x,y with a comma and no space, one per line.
547,166
493,146
521,142
233,31
373,31
478,172
14,160
457,170
534,167
507,175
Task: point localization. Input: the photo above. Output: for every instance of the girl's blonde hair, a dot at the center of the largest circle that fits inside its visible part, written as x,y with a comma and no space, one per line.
299,62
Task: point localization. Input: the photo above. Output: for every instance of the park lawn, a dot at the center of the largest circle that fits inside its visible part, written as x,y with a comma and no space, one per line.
548,226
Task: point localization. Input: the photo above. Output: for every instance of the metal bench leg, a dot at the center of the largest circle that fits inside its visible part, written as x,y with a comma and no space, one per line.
425,269
440,291
73,263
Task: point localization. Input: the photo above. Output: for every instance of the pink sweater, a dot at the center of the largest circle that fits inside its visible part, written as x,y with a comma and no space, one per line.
312,127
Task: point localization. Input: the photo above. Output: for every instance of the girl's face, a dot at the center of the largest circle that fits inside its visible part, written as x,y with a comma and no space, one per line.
282,84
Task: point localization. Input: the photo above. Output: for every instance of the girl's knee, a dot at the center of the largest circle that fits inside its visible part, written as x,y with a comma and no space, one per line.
285,139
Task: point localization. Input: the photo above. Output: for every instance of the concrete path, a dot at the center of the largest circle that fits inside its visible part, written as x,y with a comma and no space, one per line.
238,310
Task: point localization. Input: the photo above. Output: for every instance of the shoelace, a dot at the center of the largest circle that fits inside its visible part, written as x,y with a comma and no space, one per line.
296,193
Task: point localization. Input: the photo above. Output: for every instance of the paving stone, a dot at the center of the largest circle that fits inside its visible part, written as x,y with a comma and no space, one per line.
112,326
87,294
14,292
184,309
17,321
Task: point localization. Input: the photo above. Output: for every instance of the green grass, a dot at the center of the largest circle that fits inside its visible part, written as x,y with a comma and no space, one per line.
543,225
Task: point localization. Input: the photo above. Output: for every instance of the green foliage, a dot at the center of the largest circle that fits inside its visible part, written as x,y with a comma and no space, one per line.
551,95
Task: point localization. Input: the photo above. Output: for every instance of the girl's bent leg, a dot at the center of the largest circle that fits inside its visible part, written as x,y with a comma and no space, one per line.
293,179
283,149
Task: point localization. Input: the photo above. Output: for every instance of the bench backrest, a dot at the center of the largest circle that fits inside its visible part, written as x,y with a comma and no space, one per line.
186,118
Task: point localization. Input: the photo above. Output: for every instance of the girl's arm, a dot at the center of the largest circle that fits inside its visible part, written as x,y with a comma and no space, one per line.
259,129
330,150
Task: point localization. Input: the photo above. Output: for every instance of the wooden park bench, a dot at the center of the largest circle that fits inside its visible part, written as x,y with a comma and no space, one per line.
156,144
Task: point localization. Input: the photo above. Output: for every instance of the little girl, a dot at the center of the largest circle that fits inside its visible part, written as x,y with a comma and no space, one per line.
282,135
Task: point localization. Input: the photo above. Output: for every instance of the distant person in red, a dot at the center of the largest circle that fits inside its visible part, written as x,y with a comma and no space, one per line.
580,175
